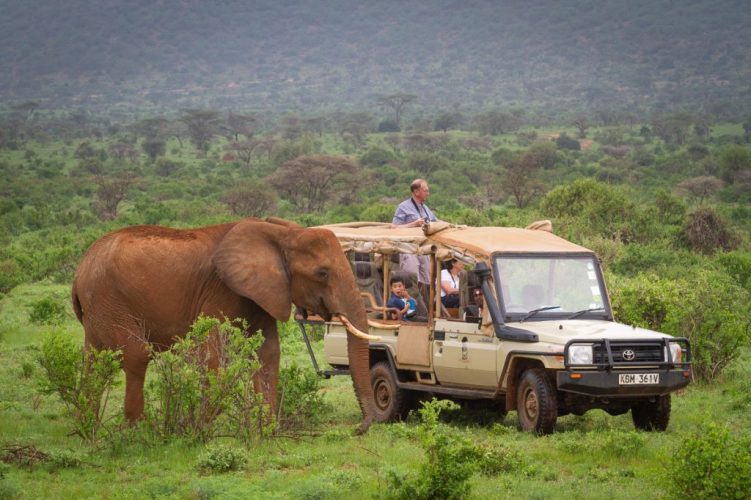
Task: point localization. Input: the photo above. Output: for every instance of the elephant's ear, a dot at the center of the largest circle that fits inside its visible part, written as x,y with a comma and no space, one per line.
250,261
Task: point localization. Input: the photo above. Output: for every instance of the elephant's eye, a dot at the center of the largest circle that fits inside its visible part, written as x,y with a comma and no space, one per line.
322,274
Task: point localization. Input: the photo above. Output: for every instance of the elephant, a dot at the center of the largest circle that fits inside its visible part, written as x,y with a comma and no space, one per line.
147,284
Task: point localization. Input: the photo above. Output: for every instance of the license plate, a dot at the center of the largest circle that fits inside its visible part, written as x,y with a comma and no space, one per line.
638,378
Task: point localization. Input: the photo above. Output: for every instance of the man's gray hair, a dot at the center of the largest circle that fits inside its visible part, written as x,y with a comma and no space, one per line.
416,184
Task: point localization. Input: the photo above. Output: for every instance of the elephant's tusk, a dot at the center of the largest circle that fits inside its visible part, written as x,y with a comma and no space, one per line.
354,331
383,326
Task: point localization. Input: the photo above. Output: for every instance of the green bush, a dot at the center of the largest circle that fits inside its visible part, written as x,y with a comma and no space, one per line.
65,459
451,460
707,307
301,404
222,459
586,207
47,311
706,232
498,458
83,388
738,265
186,398
711,463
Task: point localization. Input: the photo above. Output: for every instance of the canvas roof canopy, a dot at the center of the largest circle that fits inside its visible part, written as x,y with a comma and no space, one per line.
448,240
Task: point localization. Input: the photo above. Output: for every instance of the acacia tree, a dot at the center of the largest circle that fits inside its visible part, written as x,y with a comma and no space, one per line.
497,122
582,124
237,125
247,150
397,103
701,187
250,200
308,182
447,120
356,126
202,126
153,148
519,181
109,194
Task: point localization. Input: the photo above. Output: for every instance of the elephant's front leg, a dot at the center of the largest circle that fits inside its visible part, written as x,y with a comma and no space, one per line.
267,377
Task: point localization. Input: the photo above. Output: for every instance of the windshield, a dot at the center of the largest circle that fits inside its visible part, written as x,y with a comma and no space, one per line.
550,286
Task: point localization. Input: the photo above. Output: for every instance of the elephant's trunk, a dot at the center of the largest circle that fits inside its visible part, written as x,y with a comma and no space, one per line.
358,351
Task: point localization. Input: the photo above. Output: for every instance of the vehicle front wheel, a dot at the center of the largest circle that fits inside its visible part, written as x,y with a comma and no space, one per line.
391,403
652,415
536,402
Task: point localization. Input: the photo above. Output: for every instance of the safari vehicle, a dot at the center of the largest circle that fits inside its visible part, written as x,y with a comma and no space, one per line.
542,343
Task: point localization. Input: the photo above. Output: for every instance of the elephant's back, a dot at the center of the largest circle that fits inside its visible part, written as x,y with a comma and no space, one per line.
131,245
140,266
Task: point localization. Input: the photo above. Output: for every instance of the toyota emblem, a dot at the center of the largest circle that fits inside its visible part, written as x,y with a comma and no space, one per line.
629,355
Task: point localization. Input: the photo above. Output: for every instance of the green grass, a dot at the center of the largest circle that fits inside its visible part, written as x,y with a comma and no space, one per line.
593,456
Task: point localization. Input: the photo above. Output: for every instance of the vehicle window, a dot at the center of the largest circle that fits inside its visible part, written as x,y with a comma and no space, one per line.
570,283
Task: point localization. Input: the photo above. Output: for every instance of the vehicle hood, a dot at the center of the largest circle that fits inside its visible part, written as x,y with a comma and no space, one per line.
560,332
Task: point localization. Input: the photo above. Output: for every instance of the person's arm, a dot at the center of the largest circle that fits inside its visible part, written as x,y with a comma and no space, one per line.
400,216
446,285
400,304
403,215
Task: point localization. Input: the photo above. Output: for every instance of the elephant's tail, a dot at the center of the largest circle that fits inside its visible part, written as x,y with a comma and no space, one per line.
76,303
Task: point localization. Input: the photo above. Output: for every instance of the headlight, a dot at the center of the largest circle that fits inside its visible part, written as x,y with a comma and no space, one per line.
580,355
676,352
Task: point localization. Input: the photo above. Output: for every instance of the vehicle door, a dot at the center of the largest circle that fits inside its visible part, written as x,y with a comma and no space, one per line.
463,355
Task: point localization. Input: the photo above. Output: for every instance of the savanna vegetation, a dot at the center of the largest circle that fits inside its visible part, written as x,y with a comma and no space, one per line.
665,200
553,57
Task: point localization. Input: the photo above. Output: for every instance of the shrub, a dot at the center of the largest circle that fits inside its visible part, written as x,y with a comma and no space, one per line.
565,142
706,232
710,463
65,459
82,387
47,311
594,208
497,459
738,265
388,126
704,307
186,398
301,403
451,460
376,157
221,459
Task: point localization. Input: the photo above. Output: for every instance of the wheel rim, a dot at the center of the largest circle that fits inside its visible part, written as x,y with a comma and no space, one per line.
382,394
531,405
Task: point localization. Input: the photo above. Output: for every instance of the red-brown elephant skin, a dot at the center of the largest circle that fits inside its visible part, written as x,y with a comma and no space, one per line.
147,284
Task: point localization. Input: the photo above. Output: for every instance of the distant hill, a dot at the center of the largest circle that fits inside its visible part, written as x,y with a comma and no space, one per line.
301,55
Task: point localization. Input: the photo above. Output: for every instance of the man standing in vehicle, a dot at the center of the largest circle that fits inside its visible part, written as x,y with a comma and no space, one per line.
413,212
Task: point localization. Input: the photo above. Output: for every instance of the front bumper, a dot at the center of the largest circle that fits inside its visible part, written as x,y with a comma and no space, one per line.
605,383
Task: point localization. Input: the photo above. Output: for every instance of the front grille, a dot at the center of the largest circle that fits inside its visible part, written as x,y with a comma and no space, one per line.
642,353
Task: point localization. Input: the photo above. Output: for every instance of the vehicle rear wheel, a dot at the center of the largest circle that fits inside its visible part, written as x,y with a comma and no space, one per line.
536,402
391,403
652,415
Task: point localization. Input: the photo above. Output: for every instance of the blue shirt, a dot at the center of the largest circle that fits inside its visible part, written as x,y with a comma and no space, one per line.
409,211
399,303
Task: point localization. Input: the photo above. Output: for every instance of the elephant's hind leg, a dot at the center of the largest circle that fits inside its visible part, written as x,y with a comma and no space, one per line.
135,362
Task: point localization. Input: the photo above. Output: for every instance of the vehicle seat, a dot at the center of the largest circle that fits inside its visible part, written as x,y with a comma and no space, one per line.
410,282
369,281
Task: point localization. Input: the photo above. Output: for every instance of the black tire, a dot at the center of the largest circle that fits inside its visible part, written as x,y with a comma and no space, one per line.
652,415
536,402
391,403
